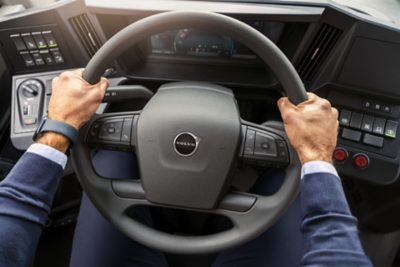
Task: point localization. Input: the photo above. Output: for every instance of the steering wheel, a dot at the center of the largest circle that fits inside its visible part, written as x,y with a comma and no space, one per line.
188,139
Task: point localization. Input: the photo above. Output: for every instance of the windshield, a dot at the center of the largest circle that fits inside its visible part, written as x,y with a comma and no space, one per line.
391,8
388,10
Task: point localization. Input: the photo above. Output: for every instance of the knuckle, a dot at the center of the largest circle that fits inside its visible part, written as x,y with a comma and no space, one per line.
288,116
64,76
98,95
325,104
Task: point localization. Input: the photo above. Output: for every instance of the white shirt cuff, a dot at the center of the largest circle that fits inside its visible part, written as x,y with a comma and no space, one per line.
318,167
49,153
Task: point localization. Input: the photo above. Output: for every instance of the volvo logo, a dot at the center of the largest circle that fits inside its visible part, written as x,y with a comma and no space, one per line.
186,144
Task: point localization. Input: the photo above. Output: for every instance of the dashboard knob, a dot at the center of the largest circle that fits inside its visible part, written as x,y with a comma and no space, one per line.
30,88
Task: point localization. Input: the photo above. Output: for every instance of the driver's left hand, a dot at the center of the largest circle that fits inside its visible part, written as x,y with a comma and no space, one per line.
73,101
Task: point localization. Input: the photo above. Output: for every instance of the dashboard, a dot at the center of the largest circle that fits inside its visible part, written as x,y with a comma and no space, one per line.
350,58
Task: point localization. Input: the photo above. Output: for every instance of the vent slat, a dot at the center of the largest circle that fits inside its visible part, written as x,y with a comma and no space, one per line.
326,46
319,49
311,49
86,33
323,44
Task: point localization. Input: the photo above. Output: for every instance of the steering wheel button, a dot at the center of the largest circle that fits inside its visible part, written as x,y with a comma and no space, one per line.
340,154
264,145
111,130
282,149
361,161
126,130
249,144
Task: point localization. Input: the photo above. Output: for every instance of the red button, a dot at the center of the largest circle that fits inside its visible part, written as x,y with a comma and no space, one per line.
340,154
361,161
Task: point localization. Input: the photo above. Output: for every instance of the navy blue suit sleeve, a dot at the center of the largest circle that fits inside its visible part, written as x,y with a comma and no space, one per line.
330,233
26,195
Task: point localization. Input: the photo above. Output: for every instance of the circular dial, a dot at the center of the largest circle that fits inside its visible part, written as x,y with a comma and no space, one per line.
30,88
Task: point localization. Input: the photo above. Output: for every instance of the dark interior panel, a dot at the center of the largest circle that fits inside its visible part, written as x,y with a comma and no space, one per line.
373,64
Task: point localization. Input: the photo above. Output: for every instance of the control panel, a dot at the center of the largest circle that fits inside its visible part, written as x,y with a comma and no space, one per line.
35,48
368,142
30,98
113,132
370,130
263,148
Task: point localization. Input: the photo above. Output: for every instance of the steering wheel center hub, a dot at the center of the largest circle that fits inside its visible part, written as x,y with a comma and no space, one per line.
187,141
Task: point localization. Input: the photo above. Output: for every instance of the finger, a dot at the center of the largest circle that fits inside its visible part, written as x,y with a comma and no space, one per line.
103,84
335,113
54,82
287,109
66,75
284,104
312,96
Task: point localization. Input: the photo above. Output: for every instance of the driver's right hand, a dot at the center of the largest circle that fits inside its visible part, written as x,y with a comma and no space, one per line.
311,126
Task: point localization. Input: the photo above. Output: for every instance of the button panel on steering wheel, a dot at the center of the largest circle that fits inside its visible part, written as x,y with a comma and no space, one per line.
263,148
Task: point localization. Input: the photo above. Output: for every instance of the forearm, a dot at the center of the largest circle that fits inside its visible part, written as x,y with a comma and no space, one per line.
329,230
26,195
19,239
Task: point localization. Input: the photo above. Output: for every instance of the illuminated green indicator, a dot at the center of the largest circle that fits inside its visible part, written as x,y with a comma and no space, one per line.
52,44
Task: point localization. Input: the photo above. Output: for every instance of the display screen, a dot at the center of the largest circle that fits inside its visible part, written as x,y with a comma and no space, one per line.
193,42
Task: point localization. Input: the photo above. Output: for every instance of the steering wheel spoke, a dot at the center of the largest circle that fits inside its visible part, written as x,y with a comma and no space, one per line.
264,146
112,131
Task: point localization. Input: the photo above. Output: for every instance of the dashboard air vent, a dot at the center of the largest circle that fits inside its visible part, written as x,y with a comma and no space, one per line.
317,52
86,33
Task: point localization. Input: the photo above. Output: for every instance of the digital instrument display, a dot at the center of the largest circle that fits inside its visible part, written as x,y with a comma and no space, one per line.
200,43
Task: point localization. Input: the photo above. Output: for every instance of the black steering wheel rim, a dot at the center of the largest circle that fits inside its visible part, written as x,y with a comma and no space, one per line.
247,225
